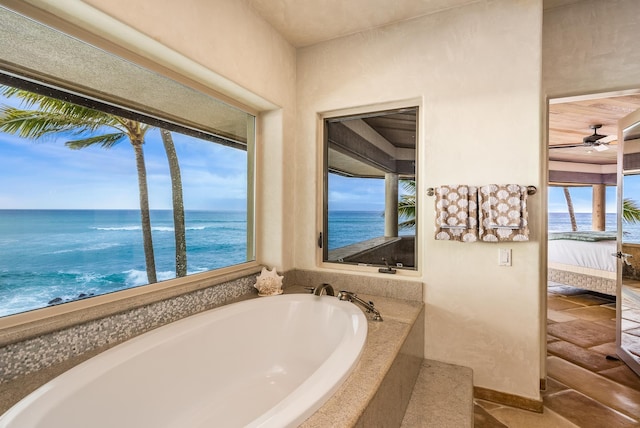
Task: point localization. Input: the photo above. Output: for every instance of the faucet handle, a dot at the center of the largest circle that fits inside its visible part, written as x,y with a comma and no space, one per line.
309,289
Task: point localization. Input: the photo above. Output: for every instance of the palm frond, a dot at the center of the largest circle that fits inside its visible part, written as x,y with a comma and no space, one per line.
630,211
105,141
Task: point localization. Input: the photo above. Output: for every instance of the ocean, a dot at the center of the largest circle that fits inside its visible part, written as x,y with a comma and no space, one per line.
66,254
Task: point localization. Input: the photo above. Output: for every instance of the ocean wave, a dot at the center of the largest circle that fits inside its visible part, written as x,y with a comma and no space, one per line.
118,228
96,247
153,228
136,278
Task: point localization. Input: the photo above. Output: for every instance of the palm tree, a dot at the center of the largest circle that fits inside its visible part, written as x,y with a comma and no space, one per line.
46,116
407,205
572,214
178,205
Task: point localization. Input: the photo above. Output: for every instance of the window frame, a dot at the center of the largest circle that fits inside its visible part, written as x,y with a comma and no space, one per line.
321,214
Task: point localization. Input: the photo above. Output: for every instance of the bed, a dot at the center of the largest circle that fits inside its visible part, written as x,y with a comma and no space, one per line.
583,259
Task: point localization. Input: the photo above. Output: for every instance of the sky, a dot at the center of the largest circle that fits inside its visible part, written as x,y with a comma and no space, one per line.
47,175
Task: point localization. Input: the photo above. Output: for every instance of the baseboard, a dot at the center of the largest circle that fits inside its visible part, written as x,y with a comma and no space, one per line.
507,399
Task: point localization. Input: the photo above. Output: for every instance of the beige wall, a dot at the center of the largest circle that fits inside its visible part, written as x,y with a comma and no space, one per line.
591,47
476,72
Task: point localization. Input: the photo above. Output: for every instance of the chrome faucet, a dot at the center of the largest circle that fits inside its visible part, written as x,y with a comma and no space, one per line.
327,288
352,297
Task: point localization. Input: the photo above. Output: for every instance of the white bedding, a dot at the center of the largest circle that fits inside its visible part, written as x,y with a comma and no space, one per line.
593,255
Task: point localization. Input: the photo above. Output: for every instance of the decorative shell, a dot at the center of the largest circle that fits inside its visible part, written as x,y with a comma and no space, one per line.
269,283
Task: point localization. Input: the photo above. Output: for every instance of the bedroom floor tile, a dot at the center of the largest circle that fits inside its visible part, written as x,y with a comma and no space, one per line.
588,299
623,375
605,391
559,316
562,303
586,412
605,349
593,313
591,360
582,333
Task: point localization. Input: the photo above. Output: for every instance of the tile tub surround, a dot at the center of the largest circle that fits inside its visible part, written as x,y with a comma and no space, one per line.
378,284
378,390
32,362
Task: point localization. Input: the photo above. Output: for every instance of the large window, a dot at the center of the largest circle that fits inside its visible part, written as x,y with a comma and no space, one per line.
114,183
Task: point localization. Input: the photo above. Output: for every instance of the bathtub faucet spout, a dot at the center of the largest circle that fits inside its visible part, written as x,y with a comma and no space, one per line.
327,288
352,297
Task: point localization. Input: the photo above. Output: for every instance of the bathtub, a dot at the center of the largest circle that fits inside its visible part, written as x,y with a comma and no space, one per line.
265,362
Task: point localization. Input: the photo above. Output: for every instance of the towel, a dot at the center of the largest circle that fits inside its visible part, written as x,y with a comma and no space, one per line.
457,213
503,213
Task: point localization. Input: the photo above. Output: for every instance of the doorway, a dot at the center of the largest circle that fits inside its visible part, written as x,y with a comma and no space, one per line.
582,272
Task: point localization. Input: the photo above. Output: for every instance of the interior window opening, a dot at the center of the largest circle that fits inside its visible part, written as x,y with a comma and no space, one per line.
370,189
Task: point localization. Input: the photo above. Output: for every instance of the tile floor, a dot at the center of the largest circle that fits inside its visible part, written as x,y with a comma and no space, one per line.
584,388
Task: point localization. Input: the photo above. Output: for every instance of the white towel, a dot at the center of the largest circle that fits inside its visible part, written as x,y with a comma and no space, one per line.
457,213
503,213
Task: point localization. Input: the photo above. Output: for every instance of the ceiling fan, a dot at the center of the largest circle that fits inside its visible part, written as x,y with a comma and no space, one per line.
595,141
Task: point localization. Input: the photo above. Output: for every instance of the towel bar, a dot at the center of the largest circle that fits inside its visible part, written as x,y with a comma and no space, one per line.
531,190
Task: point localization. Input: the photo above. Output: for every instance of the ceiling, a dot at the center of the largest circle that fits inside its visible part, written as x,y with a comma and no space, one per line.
307,22
570,121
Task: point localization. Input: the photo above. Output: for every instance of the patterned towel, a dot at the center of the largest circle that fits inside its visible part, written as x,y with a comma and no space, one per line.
503,213
457,213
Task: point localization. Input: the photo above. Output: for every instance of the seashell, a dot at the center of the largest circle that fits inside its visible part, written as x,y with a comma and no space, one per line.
269,283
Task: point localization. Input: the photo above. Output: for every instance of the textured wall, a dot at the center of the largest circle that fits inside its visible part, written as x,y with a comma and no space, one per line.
476,72
591,47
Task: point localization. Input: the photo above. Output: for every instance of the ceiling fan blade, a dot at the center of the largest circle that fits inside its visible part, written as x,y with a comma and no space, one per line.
608,139
567,146
601,147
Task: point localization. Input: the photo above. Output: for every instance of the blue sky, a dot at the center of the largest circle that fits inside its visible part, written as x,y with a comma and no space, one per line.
581,198
47,175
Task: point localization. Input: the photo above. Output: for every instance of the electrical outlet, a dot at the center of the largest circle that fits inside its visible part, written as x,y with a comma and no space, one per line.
504,256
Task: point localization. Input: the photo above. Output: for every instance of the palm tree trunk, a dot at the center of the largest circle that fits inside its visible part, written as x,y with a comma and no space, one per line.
144,212
572,214
178,205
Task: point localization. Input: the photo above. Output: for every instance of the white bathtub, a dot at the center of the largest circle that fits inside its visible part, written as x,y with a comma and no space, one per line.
266,362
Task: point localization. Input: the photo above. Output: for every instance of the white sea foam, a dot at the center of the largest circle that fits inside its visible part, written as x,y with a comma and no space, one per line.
136,277
119,228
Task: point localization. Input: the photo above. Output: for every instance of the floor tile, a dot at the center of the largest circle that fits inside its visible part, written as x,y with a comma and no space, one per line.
482,419
632,315
586,412
593,313
559,316
582,333
553,386
628,324
591,360
607,323
561,303
623,375
605,348
611,394
551,338
589,299
517,418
